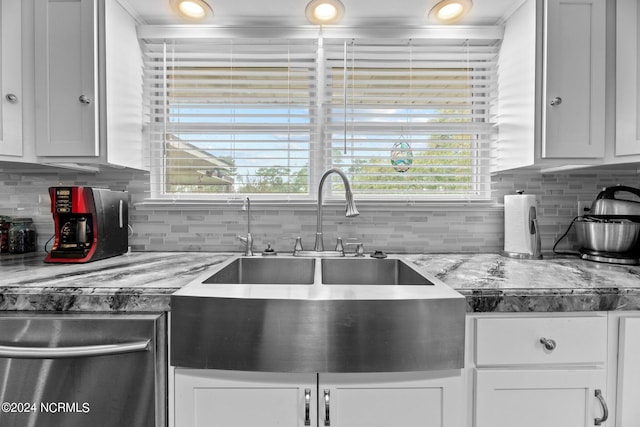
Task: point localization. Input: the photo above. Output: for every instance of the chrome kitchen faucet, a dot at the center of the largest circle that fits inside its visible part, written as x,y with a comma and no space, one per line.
351,211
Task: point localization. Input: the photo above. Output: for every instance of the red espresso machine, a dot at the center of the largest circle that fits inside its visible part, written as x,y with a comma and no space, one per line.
90,224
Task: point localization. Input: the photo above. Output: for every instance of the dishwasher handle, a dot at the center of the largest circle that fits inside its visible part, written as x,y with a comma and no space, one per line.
67,352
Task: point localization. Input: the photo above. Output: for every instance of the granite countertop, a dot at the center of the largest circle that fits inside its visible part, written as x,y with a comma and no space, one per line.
492,282
144,281
138,281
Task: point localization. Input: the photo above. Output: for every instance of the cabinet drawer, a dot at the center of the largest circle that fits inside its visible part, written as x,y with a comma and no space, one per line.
519,341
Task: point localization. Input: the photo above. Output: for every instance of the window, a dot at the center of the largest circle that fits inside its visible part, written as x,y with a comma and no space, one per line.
231,116
405,119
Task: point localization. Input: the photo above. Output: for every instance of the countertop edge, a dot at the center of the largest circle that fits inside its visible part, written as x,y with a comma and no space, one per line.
144,282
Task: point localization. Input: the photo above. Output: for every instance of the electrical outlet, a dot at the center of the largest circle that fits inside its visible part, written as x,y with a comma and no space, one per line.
583,208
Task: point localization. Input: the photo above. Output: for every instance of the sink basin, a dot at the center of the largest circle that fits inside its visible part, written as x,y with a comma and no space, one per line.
261,271
369,271
312,315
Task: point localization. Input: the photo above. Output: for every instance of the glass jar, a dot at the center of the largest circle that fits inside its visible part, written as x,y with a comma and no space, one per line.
5,223
22,236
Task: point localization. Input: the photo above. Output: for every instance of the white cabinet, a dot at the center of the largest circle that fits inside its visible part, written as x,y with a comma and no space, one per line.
532,370
532,398
628,374
627,78
551,77
66,78
418,399
227,398
230,398
11,77
88,84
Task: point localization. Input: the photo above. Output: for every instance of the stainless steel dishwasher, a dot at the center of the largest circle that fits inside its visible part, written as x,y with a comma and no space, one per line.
72,370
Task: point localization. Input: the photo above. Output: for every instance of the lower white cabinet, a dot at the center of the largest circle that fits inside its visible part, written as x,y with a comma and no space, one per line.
228,398
536,397
628,373
540,370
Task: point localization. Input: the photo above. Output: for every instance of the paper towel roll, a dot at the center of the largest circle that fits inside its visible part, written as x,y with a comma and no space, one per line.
517,234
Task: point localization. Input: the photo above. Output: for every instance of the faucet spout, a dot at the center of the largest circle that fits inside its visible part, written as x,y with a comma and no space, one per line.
351,209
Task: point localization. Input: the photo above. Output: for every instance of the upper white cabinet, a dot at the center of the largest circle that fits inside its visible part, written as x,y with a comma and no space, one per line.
552,85
627,78
88,84
66,78
11,78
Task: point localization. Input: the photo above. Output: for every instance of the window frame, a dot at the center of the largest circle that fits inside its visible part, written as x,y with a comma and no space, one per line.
318,162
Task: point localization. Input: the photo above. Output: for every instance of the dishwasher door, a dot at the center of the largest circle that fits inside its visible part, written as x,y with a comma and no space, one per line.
78,370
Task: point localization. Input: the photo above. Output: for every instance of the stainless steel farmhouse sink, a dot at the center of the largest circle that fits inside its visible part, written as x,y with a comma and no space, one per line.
287,314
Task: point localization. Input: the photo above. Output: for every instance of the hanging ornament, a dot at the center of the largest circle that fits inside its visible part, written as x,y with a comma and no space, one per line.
401,156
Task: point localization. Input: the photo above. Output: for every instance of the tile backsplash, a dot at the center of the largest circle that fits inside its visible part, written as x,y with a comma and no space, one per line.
404,228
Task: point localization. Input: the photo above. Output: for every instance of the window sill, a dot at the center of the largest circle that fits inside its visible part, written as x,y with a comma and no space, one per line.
363,205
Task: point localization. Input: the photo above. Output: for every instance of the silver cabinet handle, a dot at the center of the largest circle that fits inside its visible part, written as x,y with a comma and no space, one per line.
327,418
66,352
11,97
307,406
121,214
84,99
605,410
556,101
548,343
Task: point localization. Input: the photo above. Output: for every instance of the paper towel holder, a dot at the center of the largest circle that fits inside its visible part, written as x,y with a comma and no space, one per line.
534,236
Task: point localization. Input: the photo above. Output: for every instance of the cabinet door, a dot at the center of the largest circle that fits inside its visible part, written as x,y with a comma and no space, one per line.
66,78
11,77
533,398
628,401
236,399
627,78
416,399
574,79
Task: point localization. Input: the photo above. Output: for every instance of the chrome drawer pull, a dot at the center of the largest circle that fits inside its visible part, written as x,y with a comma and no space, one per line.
549,344
307,406
605,410
327,419
79,351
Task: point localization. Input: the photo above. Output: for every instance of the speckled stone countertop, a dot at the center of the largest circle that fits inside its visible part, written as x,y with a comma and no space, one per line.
139,281
491,282
144,281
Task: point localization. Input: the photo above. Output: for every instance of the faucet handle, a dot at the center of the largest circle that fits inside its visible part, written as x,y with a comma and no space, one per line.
340,246
359,248
298,246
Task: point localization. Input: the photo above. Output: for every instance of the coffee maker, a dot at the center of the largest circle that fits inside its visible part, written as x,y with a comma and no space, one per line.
90,224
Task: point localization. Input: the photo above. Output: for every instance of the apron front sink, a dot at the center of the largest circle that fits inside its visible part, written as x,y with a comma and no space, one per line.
252,314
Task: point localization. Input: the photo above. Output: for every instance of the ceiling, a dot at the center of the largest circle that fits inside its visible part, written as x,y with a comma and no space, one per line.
289,13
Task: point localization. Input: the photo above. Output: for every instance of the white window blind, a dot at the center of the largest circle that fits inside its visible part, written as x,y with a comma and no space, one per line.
405,119
230,115
412,119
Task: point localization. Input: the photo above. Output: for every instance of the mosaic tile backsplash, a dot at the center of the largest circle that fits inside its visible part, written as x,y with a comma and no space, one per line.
401,229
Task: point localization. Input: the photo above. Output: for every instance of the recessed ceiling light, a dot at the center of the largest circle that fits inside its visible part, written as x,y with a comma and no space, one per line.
324,11
192,9
450,11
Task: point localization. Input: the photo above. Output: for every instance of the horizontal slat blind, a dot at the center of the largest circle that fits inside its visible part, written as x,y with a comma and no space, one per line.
411,119
230,115
405,119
